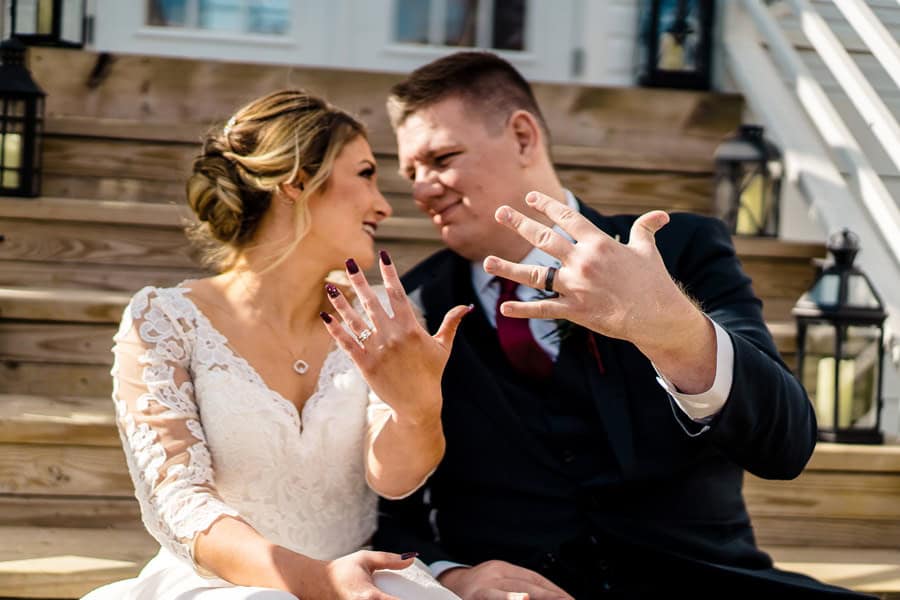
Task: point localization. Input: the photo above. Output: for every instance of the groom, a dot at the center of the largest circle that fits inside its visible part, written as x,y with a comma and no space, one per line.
604,457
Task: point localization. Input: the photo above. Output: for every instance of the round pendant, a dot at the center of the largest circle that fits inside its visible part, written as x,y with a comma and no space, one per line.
301,366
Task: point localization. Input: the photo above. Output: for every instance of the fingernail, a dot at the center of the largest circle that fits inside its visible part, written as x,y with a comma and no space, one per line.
470,308
407,555
503,213
385,257
332,291
325,316
352,267
531,198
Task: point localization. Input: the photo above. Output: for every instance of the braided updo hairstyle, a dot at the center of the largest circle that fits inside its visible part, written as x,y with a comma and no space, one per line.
290,137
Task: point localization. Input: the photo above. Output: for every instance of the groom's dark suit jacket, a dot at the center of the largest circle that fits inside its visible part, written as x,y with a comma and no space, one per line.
595,478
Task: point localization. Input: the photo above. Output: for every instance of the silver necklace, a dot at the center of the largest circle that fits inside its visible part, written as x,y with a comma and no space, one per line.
299,365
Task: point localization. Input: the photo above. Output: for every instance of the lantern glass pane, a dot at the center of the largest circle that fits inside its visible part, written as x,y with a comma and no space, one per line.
859,292
73,21
860,378
44,17
9,179
11,146
15,108
754,207
826,291
818,366
26,17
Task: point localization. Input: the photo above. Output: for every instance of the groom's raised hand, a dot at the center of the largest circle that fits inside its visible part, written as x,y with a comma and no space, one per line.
619,290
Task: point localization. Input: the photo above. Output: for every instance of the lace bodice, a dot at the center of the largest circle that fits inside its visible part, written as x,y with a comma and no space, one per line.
205,437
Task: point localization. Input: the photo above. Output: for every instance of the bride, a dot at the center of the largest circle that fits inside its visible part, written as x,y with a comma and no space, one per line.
261,410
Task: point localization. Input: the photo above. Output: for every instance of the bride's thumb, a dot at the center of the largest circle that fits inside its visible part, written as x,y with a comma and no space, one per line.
447,331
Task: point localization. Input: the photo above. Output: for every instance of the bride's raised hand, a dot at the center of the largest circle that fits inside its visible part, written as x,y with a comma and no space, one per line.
401,362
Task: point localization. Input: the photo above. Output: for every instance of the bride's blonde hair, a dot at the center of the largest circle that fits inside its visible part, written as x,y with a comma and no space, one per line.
286,137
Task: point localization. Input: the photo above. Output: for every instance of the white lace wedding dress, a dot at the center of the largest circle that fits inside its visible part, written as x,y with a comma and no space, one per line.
205,437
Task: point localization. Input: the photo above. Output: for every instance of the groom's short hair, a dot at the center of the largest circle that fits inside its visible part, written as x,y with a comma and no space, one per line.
483,80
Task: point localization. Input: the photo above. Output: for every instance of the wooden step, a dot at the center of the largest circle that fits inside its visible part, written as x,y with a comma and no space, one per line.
60,470
53,304
57,420
674,130
41,510
49,379
872,570
43,562
848,496
54,242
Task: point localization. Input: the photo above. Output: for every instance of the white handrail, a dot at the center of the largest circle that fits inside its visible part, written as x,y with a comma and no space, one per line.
807,160
874,34
861,93
872,191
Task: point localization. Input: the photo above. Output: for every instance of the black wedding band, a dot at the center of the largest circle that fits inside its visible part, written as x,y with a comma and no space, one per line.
548,282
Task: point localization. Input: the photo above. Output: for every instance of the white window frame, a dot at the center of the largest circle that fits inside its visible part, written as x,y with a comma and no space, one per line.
543,59
119,27
192,19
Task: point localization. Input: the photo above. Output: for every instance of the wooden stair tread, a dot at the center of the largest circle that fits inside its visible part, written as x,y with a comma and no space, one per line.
54,304
168,215
26,419
54,562
873,570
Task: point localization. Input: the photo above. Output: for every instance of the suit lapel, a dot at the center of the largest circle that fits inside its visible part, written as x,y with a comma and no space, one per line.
608,394
608,388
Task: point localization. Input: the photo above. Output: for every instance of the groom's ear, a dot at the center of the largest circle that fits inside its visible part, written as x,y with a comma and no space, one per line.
527,135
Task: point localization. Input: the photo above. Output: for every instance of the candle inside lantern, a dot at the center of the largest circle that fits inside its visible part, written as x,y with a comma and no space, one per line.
825,392
750,211
11,159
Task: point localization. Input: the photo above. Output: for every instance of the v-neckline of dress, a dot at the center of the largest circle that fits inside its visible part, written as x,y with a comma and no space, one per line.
295,412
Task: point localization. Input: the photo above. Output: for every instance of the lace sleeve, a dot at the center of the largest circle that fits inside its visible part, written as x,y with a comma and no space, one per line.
158,420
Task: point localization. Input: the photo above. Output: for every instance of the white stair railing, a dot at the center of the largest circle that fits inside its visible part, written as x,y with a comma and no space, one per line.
874,34
788,101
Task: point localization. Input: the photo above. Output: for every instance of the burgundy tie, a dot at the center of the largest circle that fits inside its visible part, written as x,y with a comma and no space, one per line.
522,350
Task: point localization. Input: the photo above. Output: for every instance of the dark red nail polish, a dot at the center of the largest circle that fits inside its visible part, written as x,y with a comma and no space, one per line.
332,291
325,316
406,555
385,257
352,267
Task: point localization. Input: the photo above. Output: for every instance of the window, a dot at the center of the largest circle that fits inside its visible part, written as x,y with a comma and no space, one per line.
236,16
498,24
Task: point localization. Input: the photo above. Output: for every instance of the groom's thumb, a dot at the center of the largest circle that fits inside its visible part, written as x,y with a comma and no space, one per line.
447,331
646,226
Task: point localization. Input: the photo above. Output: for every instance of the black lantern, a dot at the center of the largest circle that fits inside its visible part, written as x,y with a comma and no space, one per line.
675,43
840,350
747,186
48,22
21,124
